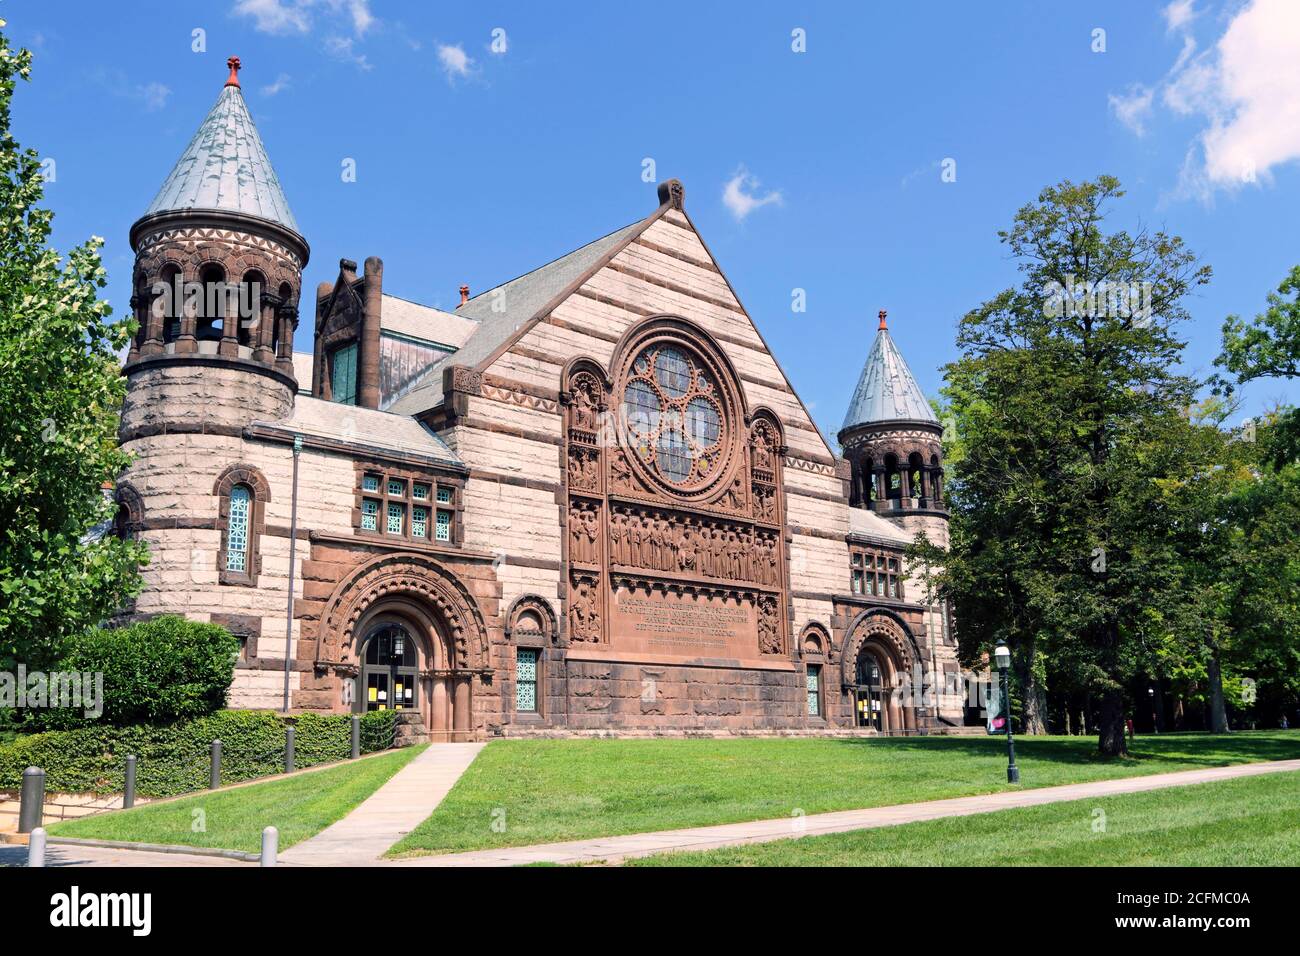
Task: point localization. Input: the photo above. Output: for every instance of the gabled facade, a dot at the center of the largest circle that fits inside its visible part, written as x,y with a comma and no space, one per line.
589,500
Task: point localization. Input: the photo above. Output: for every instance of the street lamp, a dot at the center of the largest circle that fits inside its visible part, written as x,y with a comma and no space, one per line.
1002,657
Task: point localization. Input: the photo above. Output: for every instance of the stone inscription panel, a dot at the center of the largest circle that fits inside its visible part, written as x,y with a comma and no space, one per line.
690,625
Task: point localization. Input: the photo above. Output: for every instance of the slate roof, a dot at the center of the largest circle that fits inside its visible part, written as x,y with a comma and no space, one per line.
365,428
887,390
503,310
225,168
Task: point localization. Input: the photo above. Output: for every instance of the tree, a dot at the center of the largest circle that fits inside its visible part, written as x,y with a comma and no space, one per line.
1268,347
61,391
1066,399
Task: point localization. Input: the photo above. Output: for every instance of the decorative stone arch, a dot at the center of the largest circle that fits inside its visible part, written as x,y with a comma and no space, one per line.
815,642
531,621
411,578
252,478
888,638
128,522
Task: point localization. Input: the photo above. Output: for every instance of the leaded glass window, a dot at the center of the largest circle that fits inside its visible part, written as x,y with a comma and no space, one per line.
420,491
396,513
420,522
444,495
442,529
396,488
343,375
673,414
370,483
814,680
241,502
369,514
526,680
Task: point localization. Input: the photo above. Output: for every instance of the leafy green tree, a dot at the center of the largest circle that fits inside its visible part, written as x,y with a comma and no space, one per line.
1268,347
1066,395
61,392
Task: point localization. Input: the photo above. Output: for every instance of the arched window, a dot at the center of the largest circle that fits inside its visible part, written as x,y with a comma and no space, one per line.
241,506
243,493
210,307
169,303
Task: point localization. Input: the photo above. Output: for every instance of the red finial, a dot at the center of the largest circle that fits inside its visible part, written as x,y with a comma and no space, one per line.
234,65
882,319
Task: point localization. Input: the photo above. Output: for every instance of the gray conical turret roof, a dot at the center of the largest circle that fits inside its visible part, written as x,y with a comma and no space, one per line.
887,390
225,168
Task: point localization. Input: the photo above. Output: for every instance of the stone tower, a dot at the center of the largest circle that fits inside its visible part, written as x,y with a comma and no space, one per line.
893,441
217,277
218,270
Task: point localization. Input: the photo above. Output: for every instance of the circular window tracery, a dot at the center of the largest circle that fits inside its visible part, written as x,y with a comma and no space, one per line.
673,409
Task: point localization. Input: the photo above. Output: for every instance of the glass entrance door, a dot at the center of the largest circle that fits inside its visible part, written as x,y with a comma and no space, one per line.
870,693
391,670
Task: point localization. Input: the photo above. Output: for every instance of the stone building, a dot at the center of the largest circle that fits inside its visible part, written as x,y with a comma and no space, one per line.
587,500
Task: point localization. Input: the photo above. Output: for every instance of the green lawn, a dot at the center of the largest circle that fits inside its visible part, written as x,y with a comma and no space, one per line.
299,806
1249,822
520,792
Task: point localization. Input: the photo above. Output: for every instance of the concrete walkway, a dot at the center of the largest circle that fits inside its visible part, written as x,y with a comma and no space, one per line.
614,849
388,814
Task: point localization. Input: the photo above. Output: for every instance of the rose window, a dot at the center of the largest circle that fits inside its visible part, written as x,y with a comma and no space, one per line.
673,412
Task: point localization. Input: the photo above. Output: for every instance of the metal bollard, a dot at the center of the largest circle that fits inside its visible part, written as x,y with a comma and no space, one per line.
128,796
356,736
214,780
36,848
270,841
31,804
288,749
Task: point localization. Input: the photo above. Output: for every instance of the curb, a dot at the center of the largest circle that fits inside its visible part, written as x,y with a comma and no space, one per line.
156,848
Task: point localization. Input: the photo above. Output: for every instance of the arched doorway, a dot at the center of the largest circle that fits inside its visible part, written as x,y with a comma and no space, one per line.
879,668
390,670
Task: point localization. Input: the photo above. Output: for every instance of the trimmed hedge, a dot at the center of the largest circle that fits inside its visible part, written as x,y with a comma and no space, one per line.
176,758
157,671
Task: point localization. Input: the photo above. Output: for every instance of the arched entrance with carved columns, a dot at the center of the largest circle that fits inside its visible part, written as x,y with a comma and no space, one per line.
402,616
877,669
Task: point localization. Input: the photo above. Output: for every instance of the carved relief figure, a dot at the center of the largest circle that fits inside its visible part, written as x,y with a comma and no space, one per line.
584,615
769,636
620,474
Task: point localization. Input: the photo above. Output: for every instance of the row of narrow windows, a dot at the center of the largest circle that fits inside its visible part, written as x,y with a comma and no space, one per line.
217,304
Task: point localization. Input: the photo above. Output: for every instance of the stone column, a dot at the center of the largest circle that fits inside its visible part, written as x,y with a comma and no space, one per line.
229,346
440,718
288,322
267,316
460,711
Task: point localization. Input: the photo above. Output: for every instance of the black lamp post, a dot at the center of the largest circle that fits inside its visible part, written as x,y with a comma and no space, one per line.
1002,657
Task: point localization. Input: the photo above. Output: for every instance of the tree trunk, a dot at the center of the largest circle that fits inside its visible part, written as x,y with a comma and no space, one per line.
1218,712
1111,742
1033,694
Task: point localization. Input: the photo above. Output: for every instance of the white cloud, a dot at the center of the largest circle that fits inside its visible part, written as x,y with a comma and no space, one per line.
1246,90
1178,14
1133,107
342,48
295,16
281,83
454,60
275,16
154,95
739,195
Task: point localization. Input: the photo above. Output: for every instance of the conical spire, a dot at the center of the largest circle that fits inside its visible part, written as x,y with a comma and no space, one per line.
225,167
887,390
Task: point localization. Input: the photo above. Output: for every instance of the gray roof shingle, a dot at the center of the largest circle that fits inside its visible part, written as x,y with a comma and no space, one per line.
225,168
887,390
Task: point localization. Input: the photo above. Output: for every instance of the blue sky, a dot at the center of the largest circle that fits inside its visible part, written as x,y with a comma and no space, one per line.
474,166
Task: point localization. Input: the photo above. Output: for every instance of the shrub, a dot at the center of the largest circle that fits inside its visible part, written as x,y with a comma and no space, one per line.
155,672
175,759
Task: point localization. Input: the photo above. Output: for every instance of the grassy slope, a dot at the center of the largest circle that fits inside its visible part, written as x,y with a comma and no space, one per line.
551,790
299,807
1249,822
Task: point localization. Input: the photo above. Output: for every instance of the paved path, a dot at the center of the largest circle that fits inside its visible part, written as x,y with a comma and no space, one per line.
388,814
614,849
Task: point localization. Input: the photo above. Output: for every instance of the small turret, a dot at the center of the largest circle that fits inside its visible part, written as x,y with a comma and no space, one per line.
894,442
218,272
